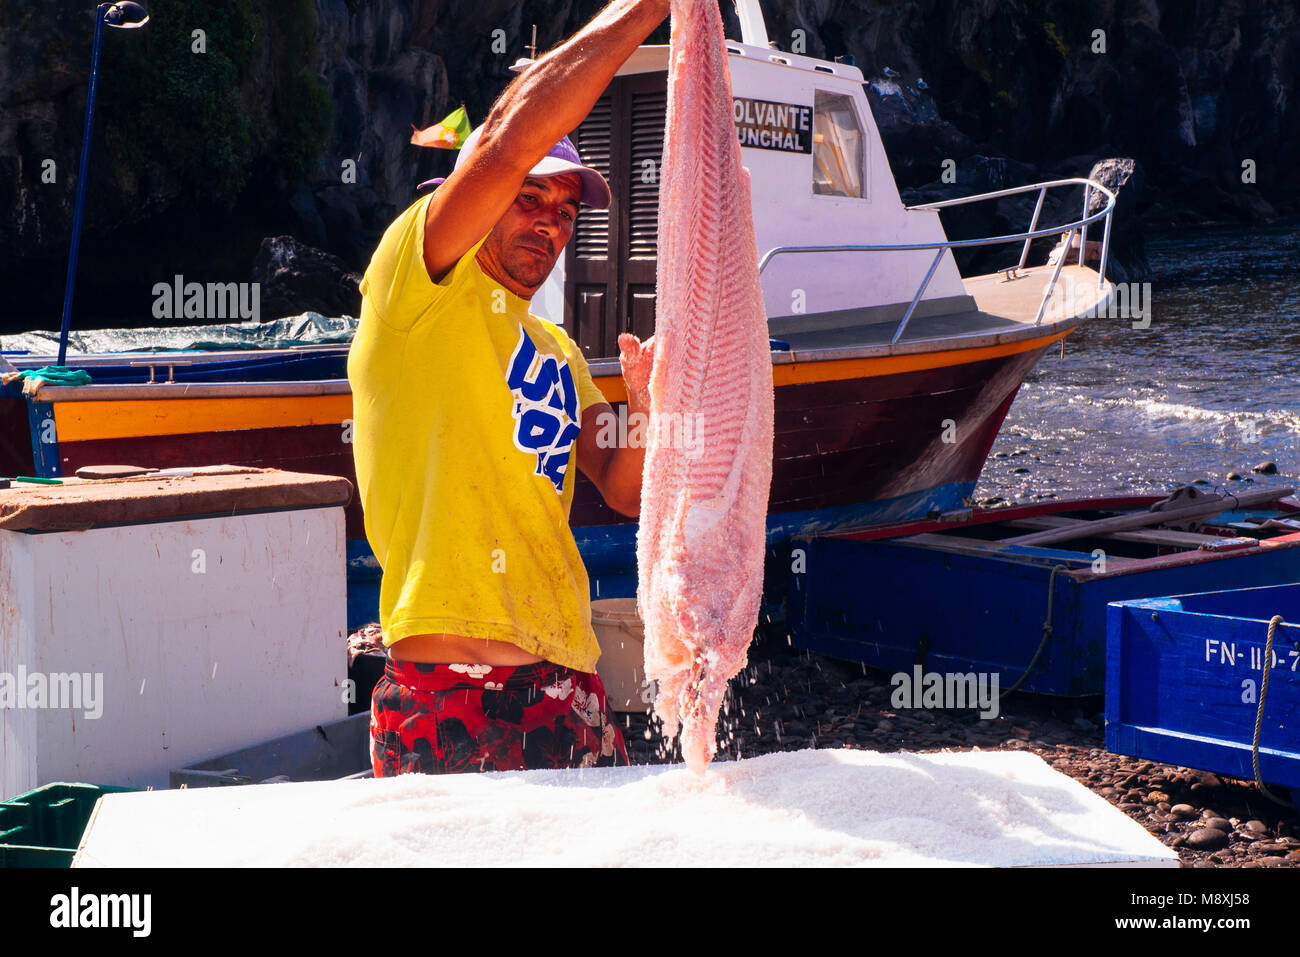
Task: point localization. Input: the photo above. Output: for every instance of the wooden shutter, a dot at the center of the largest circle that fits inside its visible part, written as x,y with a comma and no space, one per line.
646,105
590,285
610,262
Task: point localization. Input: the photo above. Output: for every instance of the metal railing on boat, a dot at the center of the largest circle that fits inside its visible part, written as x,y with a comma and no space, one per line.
1068,231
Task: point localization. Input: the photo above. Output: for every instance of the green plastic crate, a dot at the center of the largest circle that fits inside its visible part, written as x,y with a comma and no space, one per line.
43,827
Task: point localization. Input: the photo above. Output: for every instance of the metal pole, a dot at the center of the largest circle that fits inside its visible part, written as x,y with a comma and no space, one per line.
1083,230
1038,208
917,298
1056,274
1105,252
81,184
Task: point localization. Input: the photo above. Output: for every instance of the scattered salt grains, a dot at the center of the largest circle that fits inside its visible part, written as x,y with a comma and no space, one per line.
801,808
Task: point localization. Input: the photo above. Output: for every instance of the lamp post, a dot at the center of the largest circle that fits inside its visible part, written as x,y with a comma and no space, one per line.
124,16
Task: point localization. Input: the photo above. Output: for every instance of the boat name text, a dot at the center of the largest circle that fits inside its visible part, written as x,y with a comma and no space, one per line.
768,125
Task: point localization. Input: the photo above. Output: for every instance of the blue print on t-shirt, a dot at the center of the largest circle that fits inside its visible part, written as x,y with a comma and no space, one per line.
545,408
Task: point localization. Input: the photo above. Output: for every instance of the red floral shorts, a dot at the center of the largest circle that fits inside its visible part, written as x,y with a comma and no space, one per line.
439,719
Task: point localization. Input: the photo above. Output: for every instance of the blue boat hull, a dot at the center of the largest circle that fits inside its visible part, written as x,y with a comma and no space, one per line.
1184,681
893,604
609,551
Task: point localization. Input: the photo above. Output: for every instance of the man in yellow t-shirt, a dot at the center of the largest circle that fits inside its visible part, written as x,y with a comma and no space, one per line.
469,415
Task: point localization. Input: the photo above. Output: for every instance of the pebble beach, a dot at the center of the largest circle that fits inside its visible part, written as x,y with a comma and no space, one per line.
787,699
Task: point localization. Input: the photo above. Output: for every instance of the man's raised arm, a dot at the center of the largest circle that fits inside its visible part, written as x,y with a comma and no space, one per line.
540,106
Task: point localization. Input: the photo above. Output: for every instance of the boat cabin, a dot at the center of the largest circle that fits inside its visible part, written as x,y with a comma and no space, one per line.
820,176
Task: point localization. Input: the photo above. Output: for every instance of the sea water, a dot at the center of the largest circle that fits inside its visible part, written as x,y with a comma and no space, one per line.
1211,387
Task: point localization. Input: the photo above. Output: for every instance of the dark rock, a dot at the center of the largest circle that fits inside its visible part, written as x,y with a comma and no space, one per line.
1265,468
296,278
308,223
1127,259
1206,839
914,132
1218,824
1190,95
1183,811
1264,848
974,175
1233,477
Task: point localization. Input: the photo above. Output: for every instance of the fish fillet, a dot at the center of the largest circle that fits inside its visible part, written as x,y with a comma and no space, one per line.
708,466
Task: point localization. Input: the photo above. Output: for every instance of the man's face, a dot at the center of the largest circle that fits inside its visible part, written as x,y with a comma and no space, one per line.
522,248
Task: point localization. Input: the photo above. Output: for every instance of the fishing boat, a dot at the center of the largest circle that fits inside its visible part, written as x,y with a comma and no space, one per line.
1208,681
1022,591
892,372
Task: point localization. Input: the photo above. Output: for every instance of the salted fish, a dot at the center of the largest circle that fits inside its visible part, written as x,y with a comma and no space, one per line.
708,468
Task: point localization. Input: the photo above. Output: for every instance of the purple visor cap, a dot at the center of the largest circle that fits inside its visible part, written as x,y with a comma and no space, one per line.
563,158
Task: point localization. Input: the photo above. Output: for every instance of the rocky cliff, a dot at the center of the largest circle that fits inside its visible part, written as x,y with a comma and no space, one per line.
221,123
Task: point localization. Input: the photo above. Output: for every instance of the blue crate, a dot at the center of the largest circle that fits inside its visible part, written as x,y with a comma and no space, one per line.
1183,677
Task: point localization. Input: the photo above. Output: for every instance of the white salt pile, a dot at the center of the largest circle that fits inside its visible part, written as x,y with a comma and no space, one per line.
798,809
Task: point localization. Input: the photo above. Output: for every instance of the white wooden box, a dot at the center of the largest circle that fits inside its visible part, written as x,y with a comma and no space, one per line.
191,638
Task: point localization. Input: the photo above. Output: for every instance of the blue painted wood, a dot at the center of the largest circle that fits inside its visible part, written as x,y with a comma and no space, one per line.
609,551
1183,675
45,440
614,546
252,366
891,604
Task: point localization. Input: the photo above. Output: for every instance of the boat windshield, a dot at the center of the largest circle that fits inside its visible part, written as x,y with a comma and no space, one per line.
837,146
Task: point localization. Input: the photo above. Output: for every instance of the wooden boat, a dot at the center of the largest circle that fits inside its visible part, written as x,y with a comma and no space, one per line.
975,590
892,372
1185,682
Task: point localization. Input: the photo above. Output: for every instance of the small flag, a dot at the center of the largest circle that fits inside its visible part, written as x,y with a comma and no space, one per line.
447,135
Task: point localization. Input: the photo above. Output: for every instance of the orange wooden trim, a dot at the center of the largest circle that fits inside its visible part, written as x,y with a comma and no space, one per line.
129,418
832,370
80,421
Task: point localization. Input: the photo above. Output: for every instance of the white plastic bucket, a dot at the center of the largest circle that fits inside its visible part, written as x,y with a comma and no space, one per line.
622,654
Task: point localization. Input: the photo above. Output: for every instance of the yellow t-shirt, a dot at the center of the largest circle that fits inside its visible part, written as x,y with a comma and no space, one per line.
466,411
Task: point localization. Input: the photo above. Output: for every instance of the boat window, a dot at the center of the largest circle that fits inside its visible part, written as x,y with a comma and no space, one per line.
837,146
